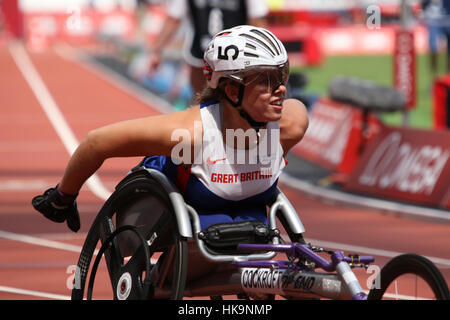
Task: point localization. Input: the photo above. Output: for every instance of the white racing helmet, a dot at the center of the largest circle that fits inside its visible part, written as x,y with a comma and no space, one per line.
234,52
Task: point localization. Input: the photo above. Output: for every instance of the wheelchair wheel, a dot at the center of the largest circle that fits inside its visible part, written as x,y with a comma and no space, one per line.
137,232
409,276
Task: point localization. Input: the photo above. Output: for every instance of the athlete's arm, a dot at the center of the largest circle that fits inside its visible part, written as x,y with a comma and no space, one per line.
168,31
141,137
293,123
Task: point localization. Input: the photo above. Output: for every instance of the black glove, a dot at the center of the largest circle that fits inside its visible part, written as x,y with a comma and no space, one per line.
58,207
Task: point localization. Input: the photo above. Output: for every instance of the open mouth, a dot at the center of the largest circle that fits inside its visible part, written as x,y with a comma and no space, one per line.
278,104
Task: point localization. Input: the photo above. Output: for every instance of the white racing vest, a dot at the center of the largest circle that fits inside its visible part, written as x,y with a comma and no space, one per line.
236,173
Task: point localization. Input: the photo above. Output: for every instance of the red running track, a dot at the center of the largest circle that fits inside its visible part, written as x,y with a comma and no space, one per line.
37,257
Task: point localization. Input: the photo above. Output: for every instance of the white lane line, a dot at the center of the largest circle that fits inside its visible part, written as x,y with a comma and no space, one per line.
13,185
361,201
34,293
39,241
315,242
396,296
50,243
52,111
370,251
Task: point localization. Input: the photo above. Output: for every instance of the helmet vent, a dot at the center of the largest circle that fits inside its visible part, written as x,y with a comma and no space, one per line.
265,46
269,40
249,45
248,54
279,45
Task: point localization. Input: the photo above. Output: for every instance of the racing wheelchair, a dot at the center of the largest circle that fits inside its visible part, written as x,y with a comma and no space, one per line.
154,248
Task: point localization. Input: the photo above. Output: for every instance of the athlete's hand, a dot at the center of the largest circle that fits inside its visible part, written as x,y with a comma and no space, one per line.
154,61
58,207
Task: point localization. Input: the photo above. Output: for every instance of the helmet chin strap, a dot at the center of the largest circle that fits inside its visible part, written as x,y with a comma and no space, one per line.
254,124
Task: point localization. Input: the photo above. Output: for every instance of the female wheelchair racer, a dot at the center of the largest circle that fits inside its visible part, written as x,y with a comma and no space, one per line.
217,194
154,248
247,70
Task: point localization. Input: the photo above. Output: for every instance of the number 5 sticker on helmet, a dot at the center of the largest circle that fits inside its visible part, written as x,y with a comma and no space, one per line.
228,51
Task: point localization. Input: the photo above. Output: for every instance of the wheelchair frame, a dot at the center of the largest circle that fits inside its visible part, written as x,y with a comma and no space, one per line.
276,277
250,271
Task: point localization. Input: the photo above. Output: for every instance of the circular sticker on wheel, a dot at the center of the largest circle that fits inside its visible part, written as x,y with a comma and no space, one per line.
124,286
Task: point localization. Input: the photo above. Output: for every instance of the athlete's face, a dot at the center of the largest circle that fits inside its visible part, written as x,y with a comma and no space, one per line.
264,96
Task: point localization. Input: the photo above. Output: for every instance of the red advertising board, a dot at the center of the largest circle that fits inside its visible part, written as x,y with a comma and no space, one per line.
446,202
405,66
81,27
441,102
77,27
405,164
12,17
334,137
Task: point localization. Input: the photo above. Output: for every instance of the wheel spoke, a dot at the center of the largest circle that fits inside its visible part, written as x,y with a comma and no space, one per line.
167,262
113,257
136,262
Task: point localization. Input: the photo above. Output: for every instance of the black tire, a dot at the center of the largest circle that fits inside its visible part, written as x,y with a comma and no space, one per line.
410,264
140,204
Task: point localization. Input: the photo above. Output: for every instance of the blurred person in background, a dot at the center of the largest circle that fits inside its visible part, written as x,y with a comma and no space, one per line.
446,29
437,18
207,17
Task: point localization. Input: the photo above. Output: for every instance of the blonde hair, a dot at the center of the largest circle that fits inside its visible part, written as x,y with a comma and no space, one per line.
208,93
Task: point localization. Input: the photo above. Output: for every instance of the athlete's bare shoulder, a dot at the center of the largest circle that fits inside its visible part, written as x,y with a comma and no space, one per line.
293,123
184,119
189,119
